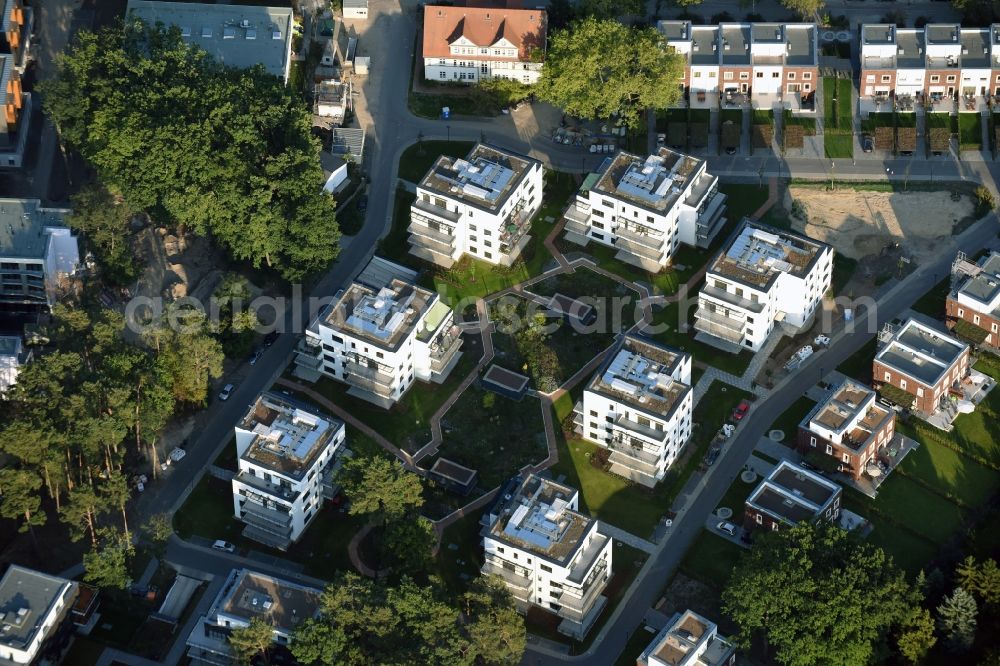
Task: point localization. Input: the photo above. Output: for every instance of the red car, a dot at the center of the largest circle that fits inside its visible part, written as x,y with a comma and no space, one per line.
741,411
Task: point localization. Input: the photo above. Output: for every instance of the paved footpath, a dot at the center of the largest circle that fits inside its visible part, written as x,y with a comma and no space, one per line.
619,534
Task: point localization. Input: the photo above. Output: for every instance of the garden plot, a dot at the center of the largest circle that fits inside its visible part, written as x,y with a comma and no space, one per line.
860,223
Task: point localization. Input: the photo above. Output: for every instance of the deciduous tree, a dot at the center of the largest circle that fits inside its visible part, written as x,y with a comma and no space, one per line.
917,636
252,640
804,8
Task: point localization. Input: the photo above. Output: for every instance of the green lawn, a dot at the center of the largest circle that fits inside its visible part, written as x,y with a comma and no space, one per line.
736,497
394,246
742,201
808,124
492,434
711,559
970,131
932,303
763,117
460,102
789,420
918,509
906,119
227,457
948,471
859,365
733,115
843,270
640,639
877,120
938,120
665,282
666,329
838,145
838,132
417,160
911,552
460,553
616,304
700,116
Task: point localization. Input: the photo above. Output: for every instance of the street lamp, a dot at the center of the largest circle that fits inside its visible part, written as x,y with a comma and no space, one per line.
448,128
832,166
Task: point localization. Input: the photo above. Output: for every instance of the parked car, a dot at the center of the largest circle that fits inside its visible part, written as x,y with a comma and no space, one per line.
712,456
727,527
226,391
224,546
270,338
867,143
256,356
731,150
741,410
178,454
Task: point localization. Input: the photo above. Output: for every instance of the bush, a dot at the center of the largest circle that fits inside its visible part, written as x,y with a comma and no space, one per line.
984,201
489,399
799,211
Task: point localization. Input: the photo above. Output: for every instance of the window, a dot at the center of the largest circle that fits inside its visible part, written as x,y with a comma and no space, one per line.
888,376
935,78
951,78
473,250
760,75
829,450
488,255
920,392
807,87
487,243
728,76
870,78
442,75
791,76
961,312
975,319
697,75
807,76
760,519
902,384
886,78
546,568
846,458
775,75
744,76
711,75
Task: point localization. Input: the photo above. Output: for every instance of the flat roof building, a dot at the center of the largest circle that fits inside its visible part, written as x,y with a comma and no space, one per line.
236,35
688,639
972,307
789,495
38,252
37,622
247,595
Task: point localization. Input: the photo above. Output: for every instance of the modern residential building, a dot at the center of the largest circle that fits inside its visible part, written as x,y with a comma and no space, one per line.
921,361
16,118
13,355
355,9
733,64
646,207
765,275
638,405
379,338
789,495
331,101
468,44
481,205
851,427
288,455
235,35
16,24
38,254
972,308
688,639
37,619
550,555
935,65
245,596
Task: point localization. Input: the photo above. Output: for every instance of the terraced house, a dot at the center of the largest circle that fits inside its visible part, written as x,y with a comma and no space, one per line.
790,495
935,64
481,206
638,405
922,362
765,275
469,44
288,455
549,555
646,207
753,64
851,427
378,337
972,307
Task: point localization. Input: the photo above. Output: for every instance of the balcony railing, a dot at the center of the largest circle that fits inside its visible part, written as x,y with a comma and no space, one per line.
647,431
434,256
715,317
639,249
732,299
359,367
724,332
361,382
445,351
621,444
258,512
437,211
640,236
512,577
266,538
418,227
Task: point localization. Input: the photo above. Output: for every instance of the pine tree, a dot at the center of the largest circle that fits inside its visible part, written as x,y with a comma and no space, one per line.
957,619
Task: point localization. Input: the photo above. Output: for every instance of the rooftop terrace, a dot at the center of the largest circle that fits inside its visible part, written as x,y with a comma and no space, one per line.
640,374
758,254
26,599
288,438
688,640
22,227
485,177
984,286
282,604
655,182
385,317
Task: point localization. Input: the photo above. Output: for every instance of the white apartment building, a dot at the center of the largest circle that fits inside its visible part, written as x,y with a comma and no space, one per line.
378,339
638,405
37,618
288,455
469,44
481,206
646,207
732,64
766,275
550,555
688,639
13,356
247,595
38,253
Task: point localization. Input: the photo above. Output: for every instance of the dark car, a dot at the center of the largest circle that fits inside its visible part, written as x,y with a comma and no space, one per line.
712,456
270,338
362,203
867,143
731,150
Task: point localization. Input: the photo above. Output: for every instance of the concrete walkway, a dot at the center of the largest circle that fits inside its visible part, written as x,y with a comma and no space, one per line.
619,534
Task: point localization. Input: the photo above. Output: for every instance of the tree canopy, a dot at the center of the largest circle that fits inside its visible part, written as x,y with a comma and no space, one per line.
599,68
804,8
817,596
381,488
227,152
366,622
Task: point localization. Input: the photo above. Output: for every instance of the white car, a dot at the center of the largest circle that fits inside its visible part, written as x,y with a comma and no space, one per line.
178,454
224,546
227,390
726,527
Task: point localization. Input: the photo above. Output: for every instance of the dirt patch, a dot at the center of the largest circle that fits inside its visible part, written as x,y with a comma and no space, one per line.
685,592
861,224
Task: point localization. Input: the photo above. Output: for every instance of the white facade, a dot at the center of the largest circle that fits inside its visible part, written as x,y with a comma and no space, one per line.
13,355
688,640
766,275
287,457
481,206
638,406
356,9
379,340
38,252
457,70
646,207
549,555
247,595
35,607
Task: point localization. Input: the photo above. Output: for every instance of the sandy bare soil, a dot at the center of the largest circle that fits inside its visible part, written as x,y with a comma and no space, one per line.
860,224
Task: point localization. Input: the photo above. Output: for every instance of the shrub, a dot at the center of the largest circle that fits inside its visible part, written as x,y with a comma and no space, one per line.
799,211
984,201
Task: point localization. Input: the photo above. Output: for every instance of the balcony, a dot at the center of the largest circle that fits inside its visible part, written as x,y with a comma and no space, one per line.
640,236
443,351
365,384
719,331
510,576
310,356
281,492
423,233
356,365
577,607
633,449
658,436
266,538
261,515
639,249
585,566
646,264
516,226
719,319
732,299
428,208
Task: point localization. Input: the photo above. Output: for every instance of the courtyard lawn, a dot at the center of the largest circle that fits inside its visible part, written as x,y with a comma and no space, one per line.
932,303
492,434
918,509
460,554
640,639
417,160
910,551
666,329
763,117
843,271
970,131
838,133
947,471
731,115
789,420
616,304
711,559
664,282
736,496
938,120
394,246
742,201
